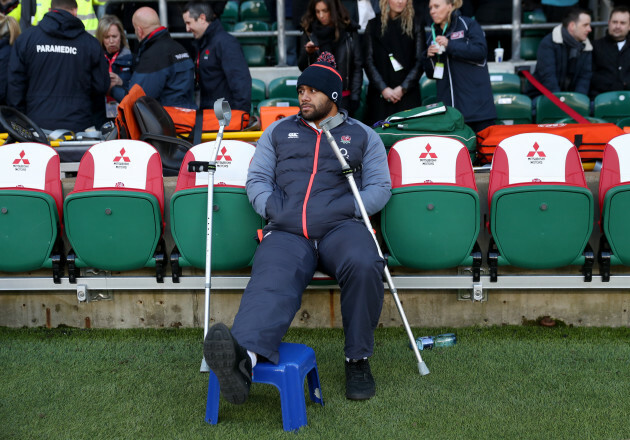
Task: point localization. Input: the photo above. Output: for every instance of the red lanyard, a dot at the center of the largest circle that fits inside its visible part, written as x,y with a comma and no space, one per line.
112,60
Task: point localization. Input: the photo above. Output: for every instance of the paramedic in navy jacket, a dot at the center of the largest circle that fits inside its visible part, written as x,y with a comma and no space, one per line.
162,67
313,221
56,70
222,71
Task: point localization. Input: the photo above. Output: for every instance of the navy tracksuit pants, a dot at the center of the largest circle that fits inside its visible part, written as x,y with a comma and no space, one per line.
283,266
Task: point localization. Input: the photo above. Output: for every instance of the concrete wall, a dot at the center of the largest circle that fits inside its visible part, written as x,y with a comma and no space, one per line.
320,308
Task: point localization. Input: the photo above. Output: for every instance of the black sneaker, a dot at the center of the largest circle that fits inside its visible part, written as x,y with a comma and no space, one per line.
230,362
359,381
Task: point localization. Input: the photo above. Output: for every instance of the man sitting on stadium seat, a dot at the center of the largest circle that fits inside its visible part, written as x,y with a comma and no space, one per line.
565,56
611,55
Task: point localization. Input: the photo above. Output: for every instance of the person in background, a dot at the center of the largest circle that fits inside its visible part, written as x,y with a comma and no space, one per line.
457,60
162,67
85,13
392,46
111,35
564,60
328,28
611,55
9,31
222,70
57,71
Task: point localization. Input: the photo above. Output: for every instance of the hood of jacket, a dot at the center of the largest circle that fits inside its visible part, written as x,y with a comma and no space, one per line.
61,24
556,37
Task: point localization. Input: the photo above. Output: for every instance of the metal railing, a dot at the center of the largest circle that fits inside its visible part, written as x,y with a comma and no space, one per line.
516,28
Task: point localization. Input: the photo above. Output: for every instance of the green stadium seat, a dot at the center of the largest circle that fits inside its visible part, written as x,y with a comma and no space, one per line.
428,90
432,219
254,10
278,102
114,215
283,87
505,82
614,202
255,54
234,221
230,13
251,26
547,112
541,210
513,108
625,122
31,200
360,113
612,106
529,47
536,16
259,92
573,121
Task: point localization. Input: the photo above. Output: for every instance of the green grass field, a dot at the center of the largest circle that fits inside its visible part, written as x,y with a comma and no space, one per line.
510,382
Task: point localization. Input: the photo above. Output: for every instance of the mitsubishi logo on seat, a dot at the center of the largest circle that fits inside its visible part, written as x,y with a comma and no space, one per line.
224,158
122,156
122,161
21,164
428,158
531,156
428,153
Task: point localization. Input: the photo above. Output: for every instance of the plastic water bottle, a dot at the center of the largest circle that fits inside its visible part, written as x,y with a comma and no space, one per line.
424,343
445,340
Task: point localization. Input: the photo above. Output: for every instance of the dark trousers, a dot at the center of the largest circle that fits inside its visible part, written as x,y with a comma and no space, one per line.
284,265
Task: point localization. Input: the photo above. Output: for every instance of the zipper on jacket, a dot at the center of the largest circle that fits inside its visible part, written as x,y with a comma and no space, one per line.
310,182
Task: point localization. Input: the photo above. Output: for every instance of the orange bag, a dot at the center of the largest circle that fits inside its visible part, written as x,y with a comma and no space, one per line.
269,115
125,120
184,120
590,139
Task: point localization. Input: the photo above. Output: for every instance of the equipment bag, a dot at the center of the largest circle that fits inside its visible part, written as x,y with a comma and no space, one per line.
590,139
430,120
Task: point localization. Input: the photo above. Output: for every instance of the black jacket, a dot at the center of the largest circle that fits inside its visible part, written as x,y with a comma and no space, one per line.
5,53
164,70
347,52
56,70
222,71
611,66
552,66
380,71
465,83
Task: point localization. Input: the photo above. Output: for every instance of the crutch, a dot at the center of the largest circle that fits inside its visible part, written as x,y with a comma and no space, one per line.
327,125
223,114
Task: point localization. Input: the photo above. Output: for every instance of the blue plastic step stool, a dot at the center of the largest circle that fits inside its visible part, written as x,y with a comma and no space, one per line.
297,362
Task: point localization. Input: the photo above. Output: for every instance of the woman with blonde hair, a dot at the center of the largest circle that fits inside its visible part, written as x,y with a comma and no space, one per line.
9,31
111,34
393,45
456,59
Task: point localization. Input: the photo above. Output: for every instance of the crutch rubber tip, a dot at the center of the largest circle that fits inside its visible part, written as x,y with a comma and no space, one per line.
422,367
